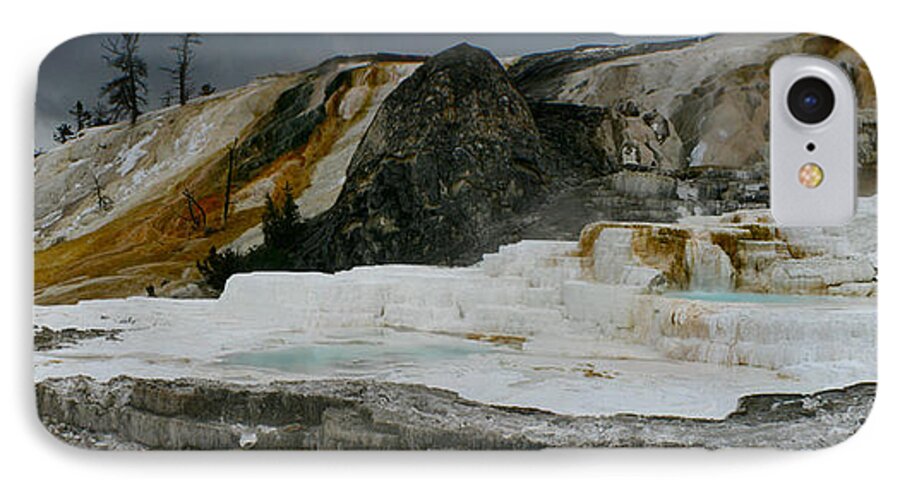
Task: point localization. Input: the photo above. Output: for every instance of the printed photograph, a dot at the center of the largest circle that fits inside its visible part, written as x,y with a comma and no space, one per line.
438,241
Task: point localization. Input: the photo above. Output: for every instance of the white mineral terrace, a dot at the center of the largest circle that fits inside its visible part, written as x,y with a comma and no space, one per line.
534,325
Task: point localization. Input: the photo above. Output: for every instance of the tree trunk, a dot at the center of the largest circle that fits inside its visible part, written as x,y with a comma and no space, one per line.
228,183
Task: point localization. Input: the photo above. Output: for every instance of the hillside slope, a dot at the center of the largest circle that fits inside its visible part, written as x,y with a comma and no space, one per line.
295,129
393,160
713,91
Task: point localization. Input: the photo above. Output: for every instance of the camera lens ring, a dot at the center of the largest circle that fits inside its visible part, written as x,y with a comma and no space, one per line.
810,100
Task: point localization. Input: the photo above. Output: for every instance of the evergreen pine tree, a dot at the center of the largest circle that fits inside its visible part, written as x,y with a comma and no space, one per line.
207,89
280,222
82,116
63,133
100,115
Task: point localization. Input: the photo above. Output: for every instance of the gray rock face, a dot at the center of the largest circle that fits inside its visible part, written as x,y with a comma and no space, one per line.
714,91
541,75
128,412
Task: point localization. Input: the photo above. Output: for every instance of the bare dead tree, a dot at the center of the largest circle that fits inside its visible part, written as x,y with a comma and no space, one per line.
180,71
231,150
104,203
198,221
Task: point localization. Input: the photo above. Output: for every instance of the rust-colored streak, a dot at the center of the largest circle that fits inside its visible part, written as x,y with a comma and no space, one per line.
157,244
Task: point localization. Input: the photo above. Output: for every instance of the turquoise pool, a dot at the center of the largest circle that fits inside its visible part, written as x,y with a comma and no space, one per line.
359,356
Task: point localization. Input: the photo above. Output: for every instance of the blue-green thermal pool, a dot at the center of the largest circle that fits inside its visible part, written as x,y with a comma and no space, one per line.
349,357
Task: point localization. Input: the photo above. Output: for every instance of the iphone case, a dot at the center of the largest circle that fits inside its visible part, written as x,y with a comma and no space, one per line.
438,242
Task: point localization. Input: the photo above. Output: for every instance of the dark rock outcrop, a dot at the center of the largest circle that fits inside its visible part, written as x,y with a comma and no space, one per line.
570,133
131,412
452,154
46,338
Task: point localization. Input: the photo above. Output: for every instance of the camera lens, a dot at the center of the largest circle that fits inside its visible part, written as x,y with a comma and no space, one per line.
810,100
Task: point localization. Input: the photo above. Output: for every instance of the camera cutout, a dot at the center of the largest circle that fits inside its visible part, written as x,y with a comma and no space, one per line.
812,110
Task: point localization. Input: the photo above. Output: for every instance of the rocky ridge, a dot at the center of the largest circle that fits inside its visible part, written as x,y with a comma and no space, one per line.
339,414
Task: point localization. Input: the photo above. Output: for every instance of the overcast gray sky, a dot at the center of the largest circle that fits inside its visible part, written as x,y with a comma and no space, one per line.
75,70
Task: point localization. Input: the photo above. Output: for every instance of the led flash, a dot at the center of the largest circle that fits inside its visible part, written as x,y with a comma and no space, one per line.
811,175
